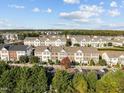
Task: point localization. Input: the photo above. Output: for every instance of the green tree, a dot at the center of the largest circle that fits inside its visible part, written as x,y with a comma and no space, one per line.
77,45
50,62
60,81
91,79
21,82
1,41
3,67
34,59
111,83
68,42
79,83
70,88
121,88
102,62
38,80
24,59
92,63
5,82
109,44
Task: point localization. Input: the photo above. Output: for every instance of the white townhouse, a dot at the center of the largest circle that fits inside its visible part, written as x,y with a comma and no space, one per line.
62,54
10,36
43,53
45,41
32,41
14,52
54,41
60,42
93,41
118,42
121,59
113,57
46,55
21,50
37,42
90,53
77,54
4,53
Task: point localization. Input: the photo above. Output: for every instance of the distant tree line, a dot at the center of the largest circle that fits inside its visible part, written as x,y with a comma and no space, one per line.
23,35
41,80
37,32
93,32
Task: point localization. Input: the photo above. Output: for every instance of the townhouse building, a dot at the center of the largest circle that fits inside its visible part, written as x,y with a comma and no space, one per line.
113,57
78,54
93,41
14,52
45,41
10,36
118,42
84,41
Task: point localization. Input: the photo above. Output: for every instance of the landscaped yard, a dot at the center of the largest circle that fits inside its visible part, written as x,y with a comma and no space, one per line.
112,49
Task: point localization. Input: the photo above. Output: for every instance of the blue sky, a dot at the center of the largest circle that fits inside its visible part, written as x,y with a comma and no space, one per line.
62,14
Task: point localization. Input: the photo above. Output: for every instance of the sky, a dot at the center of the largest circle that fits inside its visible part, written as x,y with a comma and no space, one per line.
62,14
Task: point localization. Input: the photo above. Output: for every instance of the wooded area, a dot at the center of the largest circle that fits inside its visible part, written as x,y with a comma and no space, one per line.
40,80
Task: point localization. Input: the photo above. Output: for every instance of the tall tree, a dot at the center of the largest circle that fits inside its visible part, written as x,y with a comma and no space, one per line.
92,63
79,83
66,62
24,59
38,80
3,67
111,83
91,79
33,59
60,81
68,42
22,84
5,82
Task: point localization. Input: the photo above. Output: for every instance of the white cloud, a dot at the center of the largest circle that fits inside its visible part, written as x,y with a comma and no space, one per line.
86,13
89,20
113,4
49,10
4,23
101,3
16,6
36,10
114,12
72,1
122,4
112,26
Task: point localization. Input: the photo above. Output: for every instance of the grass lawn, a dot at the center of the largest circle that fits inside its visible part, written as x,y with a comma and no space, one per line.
112,49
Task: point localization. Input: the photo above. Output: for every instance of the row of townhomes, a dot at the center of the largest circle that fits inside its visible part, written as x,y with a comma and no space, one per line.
10,36
77,54
45,41
113,57
13,52
93,41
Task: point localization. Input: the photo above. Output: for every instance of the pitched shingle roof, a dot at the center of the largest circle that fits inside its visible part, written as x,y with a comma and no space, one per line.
14,47
112,54
30,38
18,48
67,49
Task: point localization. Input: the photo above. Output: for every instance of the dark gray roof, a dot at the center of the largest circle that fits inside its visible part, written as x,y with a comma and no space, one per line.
14,47
18,48
5,46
